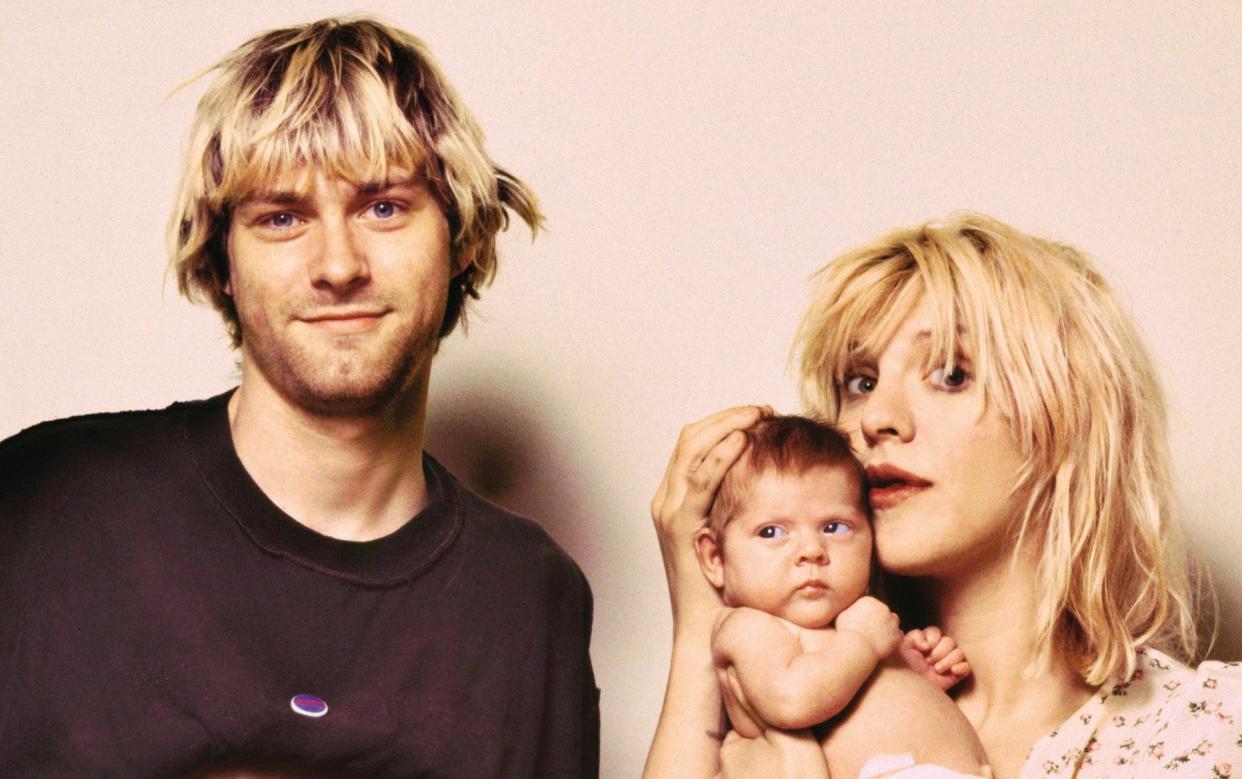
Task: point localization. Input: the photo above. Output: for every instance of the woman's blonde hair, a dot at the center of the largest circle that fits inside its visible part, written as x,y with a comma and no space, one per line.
354,98
1065,366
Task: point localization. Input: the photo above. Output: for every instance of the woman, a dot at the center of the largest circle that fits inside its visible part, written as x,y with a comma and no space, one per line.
1014,435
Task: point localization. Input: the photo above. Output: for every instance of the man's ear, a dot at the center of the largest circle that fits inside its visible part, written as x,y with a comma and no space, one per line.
461,260
223,245
707,548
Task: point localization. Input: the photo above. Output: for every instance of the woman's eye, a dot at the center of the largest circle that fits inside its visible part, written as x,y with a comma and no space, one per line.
771,531
836,528
859,384
953,380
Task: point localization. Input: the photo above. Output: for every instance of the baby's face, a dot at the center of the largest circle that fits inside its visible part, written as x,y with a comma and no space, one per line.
800,547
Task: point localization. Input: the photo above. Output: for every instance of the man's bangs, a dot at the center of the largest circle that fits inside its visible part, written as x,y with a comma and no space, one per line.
355,142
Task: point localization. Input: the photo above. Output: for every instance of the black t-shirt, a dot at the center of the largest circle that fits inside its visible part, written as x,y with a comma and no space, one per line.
159,616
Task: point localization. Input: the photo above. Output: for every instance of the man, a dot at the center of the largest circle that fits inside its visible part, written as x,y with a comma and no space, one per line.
278,579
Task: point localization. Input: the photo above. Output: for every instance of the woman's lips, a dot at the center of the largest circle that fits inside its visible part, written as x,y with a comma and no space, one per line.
891,485
887,497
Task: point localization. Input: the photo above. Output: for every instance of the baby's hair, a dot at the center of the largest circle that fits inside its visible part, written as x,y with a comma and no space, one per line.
785,444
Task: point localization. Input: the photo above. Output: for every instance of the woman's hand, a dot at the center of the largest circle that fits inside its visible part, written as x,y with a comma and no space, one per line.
777,753
705,451
687,740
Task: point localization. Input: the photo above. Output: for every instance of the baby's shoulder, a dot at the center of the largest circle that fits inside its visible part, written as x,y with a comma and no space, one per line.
742,627
741,618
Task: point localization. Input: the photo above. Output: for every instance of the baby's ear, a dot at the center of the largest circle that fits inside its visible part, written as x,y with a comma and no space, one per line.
707,547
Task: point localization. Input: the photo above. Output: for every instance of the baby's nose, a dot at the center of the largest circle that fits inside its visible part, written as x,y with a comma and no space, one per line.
813,548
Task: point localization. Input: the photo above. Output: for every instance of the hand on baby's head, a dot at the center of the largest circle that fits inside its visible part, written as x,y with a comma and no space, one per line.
874,621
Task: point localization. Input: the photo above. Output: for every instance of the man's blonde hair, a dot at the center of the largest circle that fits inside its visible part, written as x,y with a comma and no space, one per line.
354,98
1064,364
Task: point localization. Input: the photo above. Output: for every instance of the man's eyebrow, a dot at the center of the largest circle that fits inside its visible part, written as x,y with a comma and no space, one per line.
280,197
371,187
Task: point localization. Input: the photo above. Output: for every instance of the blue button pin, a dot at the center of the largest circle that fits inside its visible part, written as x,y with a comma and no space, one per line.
309,705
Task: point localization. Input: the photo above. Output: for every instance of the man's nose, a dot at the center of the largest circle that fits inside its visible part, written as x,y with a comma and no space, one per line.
341,263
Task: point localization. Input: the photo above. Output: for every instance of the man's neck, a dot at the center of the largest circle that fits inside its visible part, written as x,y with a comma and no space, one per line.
355,478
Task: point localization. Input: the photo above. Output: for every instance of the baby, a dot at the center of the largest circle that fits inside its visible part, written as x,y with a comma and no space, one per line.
801,644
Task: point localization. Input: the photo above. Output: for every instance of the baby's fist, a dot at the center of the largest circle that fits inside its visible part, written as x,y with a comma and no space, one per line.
935,657
874,621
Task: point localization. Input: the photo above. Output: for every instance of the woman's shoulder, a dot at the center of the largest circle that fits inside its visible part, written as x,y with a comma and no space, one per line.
1166,716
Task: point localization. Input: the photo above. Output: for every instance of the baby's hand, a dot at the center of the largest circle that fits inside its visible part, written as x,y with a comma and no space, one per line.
935,657
874,621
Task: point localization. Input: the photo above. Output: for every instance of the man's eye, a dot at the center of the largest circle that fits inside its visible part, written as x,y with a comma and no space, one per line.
282,221
771,531
859,384
385,209
836,528
953,380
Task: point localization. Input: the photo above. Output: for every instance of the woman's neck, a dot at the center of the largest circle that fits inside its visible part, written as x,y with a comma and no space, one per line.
1013,697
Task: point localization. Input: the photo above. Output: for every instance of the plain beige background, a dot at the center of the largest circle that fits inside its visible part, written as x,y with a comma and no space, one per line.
697,163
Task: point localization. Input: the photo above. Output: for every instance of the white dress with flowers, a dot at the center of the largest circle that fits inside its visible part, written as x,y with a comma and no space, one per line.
1167,719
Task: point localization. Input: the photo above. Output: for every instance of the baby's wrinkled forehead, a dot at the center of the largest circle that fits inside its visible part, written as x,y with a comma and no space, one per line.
852,491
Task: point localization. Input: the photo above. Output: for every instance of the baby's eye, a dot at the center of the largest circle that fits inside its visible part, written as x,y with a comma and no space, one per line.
859,384
771,531
836,528
954,380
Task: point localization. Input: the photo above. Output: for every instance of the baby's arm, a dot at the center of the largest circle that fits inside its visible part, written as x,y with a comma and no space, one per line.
790,683
935,657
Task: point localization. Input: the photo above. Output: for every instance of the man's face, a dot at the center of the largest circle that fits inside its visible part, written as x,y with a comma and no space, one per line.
340,288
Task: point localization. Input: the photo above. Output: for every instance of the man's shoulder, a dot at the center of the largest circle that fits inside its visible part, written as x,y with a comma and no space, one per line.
495,530
84,429
71,443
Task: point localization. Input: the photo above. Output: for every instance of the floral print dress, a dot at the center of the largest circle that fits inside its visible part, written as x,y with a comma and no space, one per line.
1166,720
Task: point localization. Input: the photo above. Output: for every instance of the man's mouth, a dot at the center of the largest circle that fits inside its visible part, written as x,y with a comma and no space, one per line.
346,320
890,485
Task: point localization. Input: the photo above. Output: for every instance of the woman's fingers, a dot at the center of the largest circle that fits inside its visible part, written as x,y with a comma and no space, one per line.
696,439
699,460
704,481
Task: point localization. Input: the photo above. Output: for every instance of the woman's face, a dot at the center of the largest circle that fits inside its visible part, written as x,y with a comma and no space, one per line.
942,465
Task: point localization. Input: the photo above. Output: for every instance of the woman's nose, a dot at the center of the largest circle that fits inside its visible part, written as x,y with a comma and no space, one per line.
886,413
